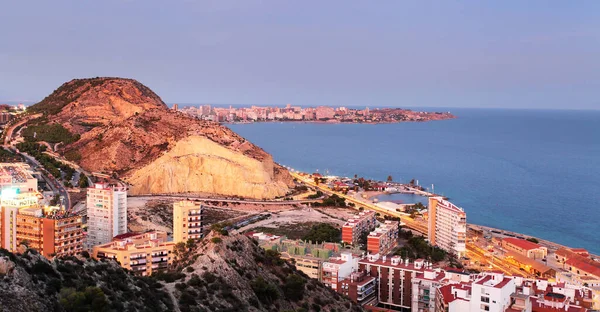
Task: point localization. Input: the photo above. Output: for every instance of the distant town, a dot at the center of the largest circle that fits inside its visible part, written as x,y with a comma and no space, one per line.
310,114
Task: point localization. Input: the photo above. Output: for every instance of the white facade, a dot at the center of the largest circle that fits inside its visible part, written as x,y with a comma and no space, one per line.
106,212
492,293
447,226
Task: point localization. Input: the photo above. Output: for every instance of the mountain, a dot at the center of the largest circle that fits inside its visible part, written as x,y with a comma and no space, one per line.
120,126
218,273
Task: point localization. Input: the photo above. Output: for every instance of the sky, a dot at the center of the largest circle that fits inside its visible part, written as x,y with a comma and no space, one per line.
507,54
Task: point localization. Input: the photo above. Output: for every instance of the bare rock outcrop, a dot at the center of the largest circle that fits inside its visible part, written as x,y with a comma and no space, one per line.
126,129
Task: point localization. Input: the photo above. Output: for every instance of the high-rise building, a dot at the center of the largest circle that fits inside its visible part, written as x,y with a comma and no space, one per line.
447,226
143,254
106,212
187,220
362,223
50,230
383,238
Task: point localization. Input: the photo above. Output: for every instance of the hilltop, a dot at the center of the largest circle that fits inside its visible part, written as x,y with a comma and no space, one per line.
218,273
119,126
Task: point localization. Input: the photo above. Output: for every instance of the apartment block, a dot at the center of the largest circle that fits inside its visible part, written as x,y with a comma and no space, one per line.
337,269
187,220
447,227
106,212
524,247
144,254
383,238
363,222
49,230
394,279
360,287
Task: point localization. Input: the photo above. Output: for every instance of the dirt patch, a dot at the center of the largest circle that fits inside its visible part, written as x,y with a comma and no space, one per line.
152,214
211,215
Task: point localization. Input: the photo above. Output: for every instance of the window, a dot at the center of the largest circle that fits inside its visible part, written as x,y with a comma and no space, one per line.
485,307
485,299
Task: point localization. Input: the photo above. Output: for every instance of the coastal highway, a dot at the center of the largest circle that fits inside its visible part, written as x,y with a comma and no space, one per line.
223,200
410,223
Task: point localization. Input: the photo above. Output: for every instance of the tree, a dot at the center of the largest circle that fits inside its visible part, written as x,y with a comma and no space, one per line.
323,232
83,181
294,287
266,292
389,178
316,180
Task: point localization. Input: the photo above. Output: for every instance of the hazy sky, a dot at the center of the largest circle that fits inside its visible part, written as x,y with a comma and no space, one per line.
529,54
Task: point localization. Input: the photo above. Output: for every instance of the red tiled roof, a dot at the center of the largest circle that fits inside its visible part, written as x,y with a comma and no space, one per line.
584,264
521,243
125,235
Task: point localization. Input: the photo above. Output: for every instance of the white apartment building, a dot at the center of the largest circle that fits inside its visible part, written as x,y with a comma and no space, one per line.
447,226
492,293
106,212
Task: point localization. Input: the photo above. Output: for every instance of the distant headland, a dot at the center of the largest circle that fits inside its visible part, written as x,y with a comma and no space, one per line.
310,114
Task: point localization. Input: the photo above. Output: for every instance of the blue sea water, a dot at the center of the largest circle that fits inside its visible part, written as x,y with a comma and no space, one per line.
530,171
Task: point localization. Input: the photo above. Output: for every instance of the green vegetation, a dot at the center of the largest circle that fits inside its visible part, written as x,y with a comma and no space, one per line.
533,240
216,240
293,288
319,194
51,133
90,299
266,292
83,181
48,162
417,247
7,156
414,209
332,201
323,232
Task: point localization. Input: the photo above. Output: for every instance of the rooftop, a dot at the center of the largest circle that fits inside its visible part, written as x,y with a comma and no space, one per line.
521,243
17,172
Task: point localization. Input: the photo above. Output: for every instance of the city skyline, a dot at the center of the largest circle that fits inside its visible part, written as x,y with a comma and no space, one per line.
409,54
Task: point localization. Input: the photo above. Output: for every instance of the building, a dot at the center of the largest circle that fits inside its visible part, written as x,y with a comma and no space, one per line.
383,238
324,113
424,287
360,287
394,279
17,177
529,265
524,247
187,221
49,230
492,292
578,264
447,227
362,223
338,268
106,212
144,254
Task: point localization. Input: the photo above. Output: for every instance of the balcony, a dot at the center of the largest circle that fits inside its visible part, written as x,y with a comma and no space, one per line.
194,213
195,226
138,263
136,257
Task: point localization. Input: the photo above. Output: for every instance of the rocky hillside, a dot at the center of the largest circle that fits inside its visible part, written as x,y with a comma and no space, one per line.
123,127
231,273
219,273
29,282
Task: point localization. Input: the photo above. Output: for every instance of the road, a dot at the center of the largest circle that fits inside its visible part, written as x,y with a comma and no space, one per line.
224,200
410,223
9,132
56,186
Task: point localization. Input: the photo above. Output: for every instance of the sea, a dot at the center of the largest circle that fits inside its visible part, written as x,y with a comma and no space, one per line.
535,172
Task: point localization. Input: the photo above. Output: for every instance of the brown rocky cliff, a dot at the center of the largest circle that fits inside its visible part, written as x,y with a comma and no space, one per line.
126,128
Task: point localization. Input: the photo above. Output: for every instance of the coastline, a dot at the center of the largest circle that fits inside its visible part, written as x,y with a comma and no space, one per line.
336,122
